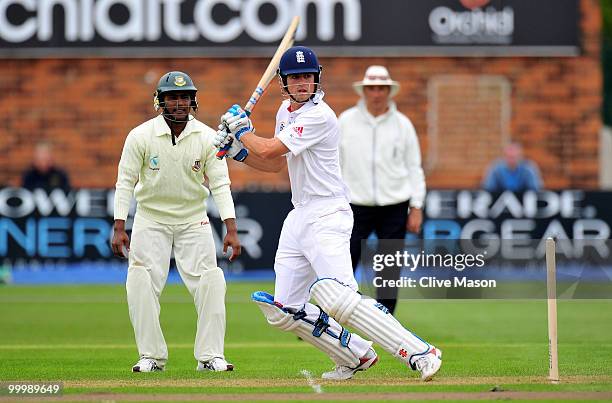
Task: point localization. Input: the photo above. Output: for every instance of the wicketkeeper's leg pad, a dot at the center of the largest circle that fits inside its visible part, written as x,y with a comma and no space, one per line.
313,325
369,318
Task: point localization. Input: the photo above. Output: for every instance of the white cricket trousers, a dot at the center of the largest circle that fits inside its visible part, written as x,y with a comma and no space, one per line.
149,260
315,243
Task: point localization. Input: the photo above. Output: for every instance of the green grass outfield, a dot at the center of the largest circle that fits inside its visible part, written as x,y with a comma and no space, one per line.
81,336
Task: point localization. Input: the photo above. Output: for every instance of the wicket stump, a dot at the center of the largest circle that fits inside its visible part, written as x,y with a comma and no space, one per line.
551,290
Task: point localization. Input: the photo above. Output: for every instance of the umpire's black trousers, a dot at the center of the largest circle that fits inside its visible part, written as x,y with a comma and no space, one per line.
388,222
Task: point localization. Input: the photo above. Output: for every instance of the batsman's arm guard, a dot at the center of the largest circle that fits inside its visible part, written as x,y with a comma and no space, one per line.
369,318
323,333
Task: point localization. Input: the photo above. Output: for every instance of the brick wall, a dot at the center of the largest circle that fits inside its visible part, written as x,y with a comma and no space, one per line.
87,106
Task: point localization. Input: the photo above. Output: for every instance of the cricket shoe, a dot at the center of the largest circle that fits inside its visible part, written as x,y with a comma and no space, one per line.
216,364
342,372
429,364
146,365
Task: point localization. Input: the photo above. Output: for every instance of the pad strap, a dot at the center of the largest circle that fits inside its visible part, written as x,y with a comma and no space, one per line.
314,325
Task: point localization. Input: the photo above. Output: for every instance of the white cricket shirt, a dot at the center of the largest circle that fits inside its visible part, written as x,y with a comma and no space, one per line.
381,157
168,180
312,136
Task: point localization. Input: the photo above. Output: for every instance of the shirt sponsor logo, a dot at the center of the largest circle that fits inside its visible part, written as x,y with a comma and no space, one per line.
298,130
154,163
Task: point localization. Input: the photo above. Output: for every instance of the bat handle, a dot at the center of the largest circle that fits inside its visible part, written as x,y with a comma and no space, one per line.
223,151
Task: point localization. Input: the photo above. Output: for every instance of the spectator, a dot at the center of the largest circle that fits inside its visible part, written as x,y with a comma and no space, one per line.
381,164
512,172
43,173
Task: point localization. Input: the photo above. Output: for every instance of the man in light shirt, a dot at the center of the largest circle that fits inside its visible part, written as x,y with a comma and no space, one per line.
386,179
313,257
164,164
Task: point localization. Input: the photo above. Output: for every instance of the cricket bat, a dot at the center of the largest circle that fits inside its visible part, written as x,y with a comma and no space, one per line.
268,75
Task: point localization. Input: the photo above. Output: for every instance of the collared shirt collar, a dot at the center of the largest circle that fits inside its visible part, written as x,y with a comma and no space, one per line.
364,109
162,129
311,103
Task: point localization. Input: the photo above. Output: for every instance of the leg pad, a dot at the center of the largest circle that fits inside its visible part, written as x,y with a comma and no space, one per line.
315,326
368,317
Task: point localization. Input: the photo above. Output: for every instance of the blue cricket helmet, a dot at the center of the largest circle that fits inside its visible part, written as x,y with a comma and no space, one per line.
298,59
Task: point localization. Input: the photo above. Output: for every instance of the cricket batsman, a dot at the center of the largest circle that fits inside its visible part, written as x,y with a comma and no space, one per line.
313,258
164,164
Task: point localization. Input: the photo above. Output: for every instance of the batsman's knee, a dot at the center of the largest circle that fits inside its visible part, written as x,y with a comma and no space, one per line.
335,298
214,276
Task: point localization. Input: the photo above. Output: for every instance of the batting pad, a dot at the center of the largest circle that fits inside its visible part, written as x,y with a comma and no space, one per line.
209,299
313,325
368,317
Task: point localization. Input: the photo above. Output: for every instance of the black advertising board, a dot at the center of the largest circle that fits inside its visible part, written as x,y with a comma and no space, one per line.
76,227
238,28
37,228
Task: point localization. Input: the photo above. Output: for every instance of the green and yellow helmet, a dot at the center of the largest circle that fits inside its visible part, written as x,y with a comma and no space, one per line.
174,81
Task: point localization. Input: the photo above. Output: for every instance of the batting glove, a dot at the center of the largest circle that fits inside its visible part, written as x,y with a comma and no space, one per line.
222,138
237,151
231,114
232,111
237,121
232,147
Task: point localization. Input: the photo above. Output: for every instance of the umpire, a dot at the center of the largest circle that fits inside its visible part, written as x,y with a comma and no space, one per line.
381,164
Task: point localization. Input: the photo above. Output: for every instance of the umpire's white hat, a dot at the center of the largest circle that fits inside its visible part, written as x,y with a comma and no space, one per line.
376,75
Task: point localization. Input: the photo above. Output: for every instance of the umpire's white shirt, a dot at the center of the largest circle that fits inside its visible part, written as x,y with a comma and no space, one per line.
381,157
312,136
168,180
